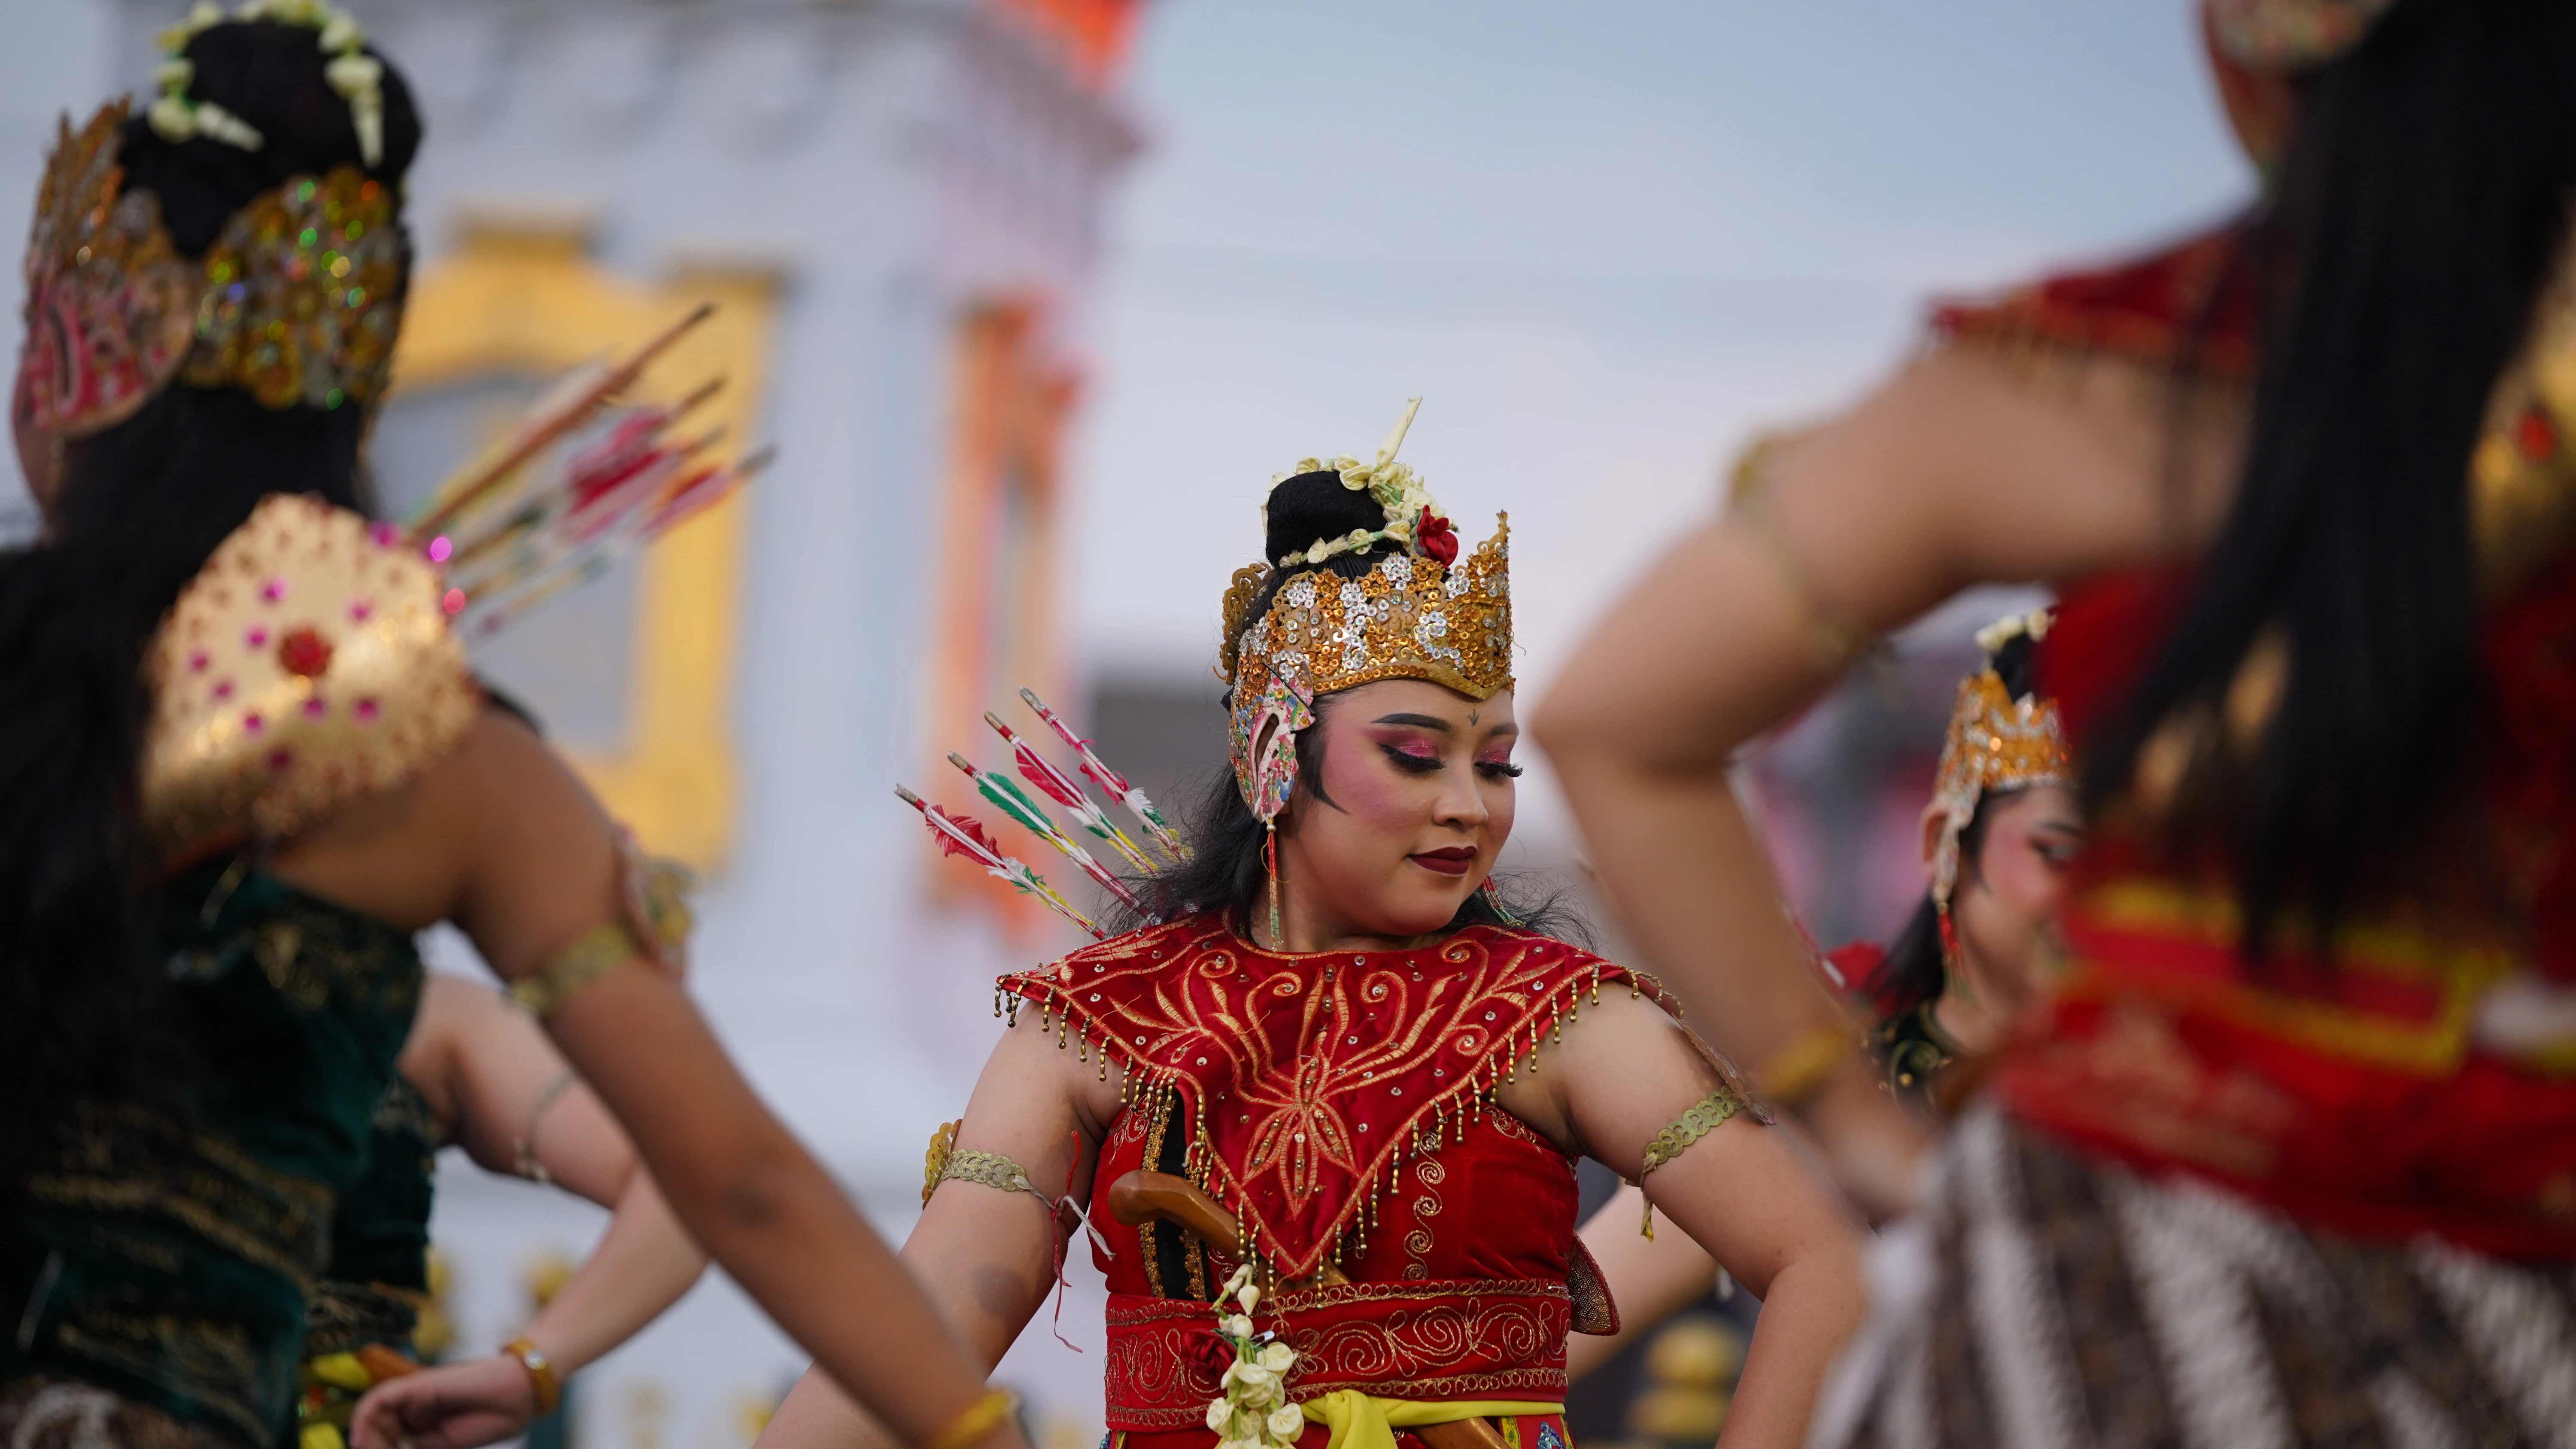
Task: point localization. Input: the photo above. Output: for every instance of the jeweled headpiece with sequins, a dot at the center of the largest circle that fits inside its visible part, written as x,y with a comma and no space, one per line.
1996,742
1424,613
298,301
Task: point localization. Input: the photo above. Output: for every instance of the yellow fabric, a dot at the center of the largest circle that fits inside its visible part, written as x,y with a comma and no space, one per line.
341,1371
320,1436
1365,1421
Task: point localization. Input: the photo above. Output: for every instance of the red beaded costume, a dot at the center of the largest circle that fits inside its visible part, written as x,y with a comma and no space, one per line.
2355,1099
1339,1103
2308,1202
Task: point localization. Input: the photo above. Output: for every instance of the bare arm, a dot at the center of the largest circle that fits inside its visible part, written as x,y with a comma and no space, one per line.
987,1256
1651,1279
530,869
509,1094
1954,473
1619,1077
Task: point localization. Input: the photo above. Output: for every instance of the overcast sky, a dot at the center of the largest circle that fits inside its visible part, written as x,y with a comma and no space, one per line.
1604,241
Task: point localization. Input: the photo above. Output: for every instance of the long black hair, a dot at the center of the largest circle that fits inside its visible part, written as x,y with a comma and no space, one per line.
2423,200
1226,871
1912,973
134,513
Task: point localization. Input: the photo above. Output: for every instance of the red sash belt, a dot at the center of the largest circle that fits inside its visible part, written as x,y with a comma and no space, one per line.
1458,1338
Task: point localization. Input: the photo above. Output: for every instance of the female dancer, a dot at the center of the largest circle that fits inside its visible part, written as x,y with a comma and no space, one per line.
2290,1156
476,1072
242,763
1346,1042
1999,840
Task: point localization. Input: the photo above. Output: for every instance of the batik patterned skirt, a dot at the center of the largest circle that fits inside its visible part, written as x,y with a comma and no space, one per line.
2045,1299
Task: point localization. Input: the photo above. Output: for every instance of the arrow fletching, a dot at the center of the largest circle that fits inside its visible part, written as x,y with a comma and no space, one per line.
1110,781
961,835
1038,770
1014,802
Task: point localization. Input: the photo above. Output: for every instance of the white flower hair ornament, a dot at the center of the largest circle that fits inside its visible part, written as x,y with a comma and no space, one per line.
2032,626
357,76
1413,517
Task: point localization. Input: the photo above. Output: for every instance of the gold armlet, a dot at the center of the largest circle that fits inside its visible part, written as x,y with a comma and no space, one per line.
984,1169
541,1374
934,1163
1834,634
1703,1117
981,1417
593,954
1797,1072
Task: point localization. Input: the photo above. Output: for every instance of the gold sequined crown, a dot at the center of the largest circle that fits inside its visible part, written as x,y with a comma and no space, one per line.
1995,742
298,301
1408,617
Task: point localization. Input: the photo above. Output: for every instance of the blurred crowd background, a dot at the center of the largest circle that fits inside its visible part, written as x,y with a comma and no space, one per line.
1034,297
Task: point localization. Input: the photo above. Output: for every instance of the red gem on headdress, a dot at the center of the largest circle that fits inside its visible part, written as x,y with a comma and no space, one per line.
304,652
2535,434
1439,541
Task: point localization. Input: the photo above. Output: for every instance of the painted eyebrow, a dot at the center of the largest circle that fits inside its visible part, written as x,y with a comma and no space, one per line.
1418,721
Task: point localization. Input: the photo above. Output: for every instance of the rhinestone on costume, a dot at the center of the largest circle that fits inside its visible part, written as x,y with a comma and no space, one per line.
311,316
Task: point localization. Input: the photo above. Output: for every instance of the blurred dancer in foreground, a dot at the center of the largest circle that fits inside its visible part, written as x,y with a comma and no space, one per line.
477,1073
1999,839
241,762
2291,1155
1343,1037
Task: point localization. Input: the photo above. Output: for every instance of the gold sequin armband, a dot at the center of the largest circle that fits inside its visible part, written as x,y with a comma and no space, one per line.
1833,634
1796,1072
593,954
980,1418
943,1163
989,1169
1705,1116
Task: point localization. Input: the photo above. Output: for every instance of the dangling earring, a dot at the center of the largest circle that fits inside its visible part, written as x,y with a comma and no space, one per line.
1270,861
1949,940
1494,899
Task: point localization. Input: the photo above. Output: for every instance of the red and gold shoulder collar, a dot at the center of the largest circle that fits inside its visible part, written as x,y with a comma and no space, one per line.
2194,303
1304,1079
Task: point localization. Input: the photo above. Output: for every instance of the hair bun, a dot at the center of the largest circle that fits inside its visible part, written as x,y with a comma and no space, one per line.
1311,507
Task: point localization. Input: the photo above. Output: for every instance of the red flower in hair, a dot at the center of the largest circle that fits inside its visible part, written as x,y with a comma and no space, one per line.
1439,541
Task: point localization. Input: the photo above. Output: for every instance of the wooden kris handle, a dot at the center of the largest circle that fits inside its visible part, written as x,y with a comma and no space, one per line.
1141,1197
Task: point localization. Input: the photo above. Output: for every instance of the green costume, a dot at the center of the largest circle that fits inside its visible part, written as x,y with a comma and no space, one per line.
169,1254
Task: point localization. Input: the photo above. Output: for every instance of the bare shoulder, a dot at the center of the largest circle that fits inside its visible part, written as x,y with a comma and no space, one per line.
1620,1047
1621,1027
406,855
1967,466
1030,1062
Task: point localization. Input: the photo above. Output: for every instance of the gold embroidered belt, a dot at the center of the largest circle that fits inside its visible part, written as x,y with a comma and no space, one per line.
1448,1339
